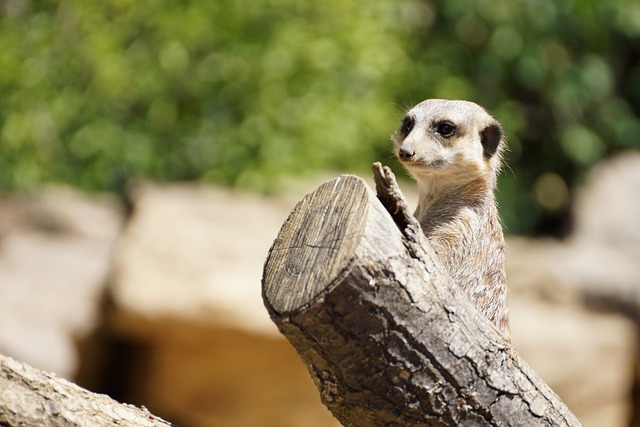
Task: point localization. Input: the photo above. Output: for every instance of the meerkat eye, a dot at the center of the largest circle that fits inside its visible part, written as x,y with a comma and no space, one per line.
446,129
407,125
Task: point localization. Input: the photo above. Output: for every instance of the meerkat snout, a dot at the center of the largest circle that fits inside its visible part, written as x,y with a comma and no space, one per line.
406,154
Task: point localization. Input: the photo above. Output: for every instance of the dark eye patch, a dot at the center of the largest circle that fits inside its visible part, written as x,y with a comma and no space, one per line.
407,125
445,129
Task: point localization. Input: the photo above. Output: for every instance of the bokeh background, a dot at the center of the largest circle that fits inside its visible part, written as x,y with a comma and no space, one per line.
251,93
246,103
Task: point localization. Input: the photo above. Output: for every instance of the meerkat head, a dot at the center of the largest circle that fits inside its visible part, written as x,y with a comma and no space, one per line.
454,140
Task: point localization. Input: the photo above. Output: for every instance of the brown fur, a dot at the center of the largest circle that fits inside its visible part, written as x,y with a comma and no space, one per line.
456,173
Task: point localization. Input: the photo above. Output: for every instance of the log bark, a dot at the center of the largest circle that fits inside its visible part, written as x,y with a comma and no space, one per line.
387,336
30,397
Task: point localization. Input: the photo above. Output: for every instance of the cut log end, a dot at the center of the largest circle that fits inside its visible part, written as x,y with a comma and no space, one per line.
302,264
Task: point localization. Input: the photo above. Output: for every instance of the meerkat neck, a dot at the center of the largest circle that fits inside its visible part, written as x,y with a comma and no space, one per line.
440,201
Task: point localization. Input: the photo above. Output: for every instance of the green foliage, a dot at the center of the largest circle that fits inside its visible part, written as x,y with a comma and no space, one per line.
242,92
249,93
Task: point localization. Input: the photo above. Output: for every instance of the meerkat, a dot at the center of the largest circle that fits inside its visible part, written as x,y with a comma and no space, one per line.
453,149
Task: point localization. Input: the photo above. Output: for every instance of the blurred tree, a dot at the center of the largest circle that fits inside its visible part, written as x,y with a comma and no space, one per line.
250,93
240,92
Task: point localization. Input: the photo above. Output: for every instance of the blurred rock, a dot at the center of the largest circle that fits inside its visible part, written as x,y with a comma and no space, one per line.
608,207
55,256
603,255
585,355
187,295
603,252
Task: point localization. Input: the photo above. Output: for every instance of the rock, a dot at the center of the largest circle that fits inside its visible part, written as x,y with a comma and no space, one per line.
195,253
607,207
602,255
55,250
587,358
582,354
187,294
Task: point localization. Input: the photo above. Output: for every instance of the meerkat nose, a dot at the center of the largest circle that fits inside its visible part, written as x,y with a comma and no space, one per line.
405,154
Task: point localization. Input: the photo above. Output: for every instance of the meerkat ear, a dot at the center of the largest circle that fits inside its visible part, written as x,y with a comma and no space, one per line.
490,138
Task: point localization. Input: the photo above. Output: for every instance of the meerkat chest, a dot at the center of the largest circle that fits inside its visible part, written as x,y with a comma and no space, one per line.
451,229
460,242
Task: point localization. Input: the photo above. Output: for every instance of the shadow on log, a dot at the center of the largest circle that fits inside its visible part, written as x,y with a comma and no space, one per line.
387,336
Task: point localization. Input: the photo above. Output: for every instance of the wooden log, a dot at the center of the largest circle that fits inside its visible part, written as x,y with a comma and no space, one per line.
387,336
31,397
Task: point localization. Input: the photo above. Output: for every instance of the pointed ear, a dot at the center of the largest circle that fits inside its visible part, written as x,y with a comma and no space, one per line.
490,138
